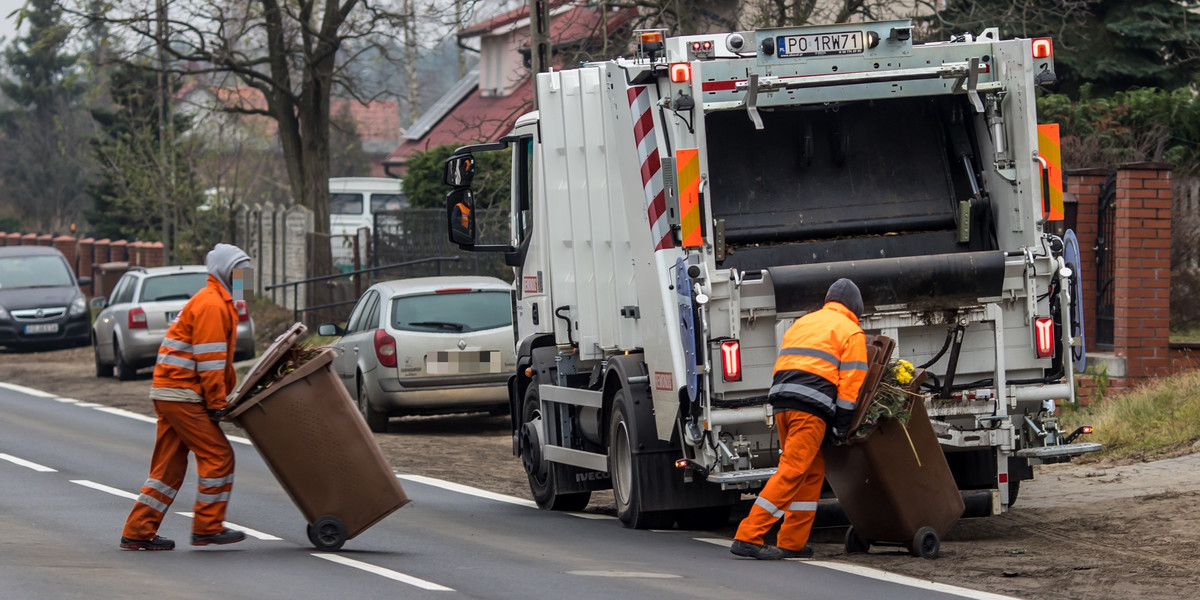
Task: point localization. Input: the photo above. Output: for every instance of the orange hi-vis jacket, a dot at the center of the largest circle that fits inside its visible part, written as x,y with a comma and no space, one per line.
197,353
821,365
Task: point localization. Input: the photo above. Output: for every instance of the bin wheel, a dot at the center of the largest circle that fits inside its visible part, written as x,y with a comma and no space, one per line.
327,533
926,543
855,544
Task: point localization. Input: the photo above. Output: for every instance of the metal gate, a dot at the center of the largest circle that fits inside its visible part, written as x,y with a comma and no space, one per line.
1106,261
415,233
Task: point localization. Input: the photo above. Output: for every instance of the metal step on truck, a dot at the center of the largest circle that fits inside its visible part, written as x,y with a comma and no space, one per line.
672,213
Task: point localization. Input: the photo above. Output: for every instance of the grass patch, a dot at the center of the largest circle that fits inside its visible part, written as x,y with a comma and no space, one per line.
1159,418
1186,335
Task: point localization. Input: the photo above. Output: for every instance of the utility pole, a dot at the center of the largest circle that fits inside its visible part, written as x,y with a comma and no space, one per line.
164,113
539,38
458,26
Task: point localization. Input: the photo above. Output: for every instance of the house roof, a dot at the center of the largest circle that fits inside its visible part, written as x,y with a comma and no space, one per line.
503,20
376,121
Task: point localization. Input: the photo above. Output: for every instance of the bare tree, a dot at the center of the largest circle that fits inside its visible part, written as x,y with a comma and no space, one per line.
286,51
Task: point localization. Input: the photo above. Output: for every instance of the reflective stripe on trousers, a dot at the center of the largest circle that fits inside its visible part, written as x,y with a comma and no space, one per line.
793,491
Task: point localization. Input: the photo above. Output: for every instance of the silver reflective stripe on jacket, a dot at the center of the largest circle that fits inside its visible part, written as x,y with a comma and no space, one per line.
802,391
210,365
169,359
210,347
177,345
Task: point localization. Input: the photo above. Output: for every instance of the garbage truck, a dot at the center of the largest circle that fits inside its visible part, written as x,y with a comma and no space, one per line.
672,213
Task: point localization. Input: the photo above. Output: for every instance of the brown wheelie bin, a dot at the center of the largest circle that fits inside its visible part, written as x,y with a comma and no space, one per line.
308,431
894,484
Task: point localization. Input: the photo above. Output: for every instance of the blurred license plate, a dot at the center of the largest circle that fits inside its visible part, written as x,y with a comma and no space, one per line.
462,362
42,328
171,316
816,44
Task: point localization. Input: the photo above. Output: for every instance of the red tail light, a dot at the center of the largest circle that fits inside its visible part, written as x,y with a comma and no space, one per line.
137,318
385,348
452,290
1043,329
242,311
1043,48
681,73
731,360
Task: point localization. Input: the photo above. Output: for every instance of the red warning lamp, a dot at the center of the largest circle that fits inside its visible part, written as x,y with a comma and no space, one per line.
681,72
1043,48
731,360
1043,329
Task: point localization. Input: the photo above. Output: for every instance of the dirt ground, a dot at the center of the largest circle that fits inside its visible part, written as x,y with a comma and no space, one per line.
1083,530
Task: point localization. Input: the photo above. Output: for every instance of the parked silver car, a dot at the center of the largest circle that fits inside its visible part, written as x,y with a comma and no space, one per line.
127,333
430,345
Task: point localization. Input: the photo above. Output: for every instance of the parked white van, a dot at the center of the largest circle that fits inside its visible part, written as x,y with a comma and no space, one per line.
353,201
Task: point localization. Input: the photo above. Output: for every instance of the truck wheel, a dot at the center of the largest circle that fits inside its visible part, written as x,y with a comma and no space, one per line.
625,474
1014,488
541,473
377,421
702,519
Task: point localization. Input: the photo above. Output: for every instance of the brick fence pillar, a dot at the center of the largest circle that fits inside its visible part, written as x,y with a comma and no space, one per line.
1143,270
134,251
14,239
87,259
29,239
103,251
119,251
45,240
3,238
69,246
154,254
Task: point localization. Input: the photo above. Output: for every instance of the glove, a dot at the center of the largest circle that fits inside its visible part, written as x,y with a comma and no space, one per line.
216,415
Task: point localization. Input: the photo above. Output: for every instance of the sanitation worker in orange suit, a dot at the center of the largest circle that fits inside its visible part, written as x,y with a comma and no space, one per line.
192,377
821,367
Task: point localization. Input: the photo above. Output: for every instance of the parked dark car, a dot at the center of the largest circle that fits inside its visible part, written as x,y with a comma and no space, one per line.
40,300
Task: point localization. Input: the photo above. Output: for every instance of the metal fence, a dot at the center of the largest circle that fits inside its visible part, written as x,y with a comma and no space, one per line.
416,233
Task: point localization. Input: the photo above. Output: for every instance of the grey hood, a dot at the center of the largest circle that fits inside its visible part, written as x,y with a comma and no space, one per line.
844,292
222,260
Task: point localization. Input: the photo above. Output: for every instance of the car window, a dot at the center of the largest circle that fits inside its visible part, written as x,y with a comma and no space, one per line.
45,270
455,312
371,317
176,286
125,294
345,204
125,281
359,317
387,202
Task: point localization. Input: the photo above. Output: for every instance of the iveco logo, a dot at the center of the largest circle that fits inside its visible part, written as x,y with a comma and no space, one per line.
462,344
40,313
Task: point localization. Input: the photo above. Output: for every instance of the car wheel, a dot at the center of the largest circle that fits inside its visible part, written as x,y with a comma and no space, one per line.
102,370
377,421
125,371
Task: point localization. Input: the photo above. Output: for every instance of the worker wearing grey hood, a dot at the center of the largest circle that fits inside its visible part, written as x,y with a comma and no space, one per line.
846,293
222,260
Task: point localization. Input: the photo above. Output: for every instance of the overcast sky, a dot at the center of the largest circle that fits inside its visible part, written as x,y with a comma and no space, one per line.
7,25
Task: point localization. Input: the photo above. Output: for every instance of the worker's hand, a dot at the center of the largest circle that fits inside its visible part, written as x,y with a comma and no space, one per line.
216,415
838,436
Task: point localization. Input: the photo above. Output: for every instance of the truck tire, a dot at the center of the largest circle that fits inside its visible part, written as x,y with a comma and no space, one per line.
542,483
626,478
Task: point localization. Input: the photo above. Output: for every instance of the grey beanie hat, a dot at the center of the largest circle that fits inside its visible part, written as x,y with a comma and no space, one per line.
222,260
846,293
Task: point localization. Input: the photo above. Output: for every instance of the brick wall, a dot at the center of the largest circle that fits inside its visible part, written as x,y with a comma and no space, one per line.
83,255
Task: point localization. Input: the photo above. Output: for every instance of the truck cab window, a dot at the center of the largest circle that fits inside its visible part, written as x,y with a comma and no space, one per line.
523,180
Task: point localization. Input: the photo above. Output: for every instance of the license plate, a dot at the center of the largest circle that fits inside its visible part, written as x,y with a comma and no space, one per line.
462,362
818,44
171,316
42,328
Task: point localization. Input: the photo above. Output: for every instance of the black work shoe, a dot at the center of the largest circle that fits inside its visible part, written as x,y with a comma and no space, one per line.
807,552
755,551
158,543
226,536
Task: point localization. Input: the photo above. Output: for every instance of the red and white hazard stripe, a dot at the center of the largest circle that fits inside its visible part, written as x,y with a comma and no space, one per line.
652,180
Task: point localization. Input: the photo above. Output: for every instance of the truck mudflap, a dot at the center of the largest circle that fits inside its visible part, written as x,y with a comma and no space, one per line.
939,281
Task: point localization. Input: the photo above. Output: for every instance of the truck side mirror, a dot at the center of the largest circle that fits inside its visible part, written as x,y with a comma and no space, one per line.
460,215
460,170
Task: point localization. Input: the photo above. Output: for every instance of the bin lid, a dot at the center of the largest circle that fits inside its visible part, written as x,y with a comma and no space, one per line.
278,348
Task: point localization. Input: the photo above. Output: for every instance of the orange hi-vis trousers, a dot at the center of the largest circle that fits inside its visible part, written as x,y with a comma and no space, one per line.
184,427
793,491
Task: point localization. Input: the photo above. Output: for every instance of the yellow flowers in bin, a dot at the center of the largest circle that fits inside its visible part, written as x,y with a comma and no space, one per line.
890,400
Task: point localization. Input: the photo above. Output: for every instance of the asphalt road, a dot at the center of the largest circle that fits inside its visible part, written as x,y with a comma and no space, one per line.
69,472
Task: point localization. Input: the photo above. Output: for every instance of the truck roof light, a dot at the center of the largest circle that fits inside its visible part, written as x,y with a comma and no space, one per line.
681,72
1044,337
731,360
651,37
1043,48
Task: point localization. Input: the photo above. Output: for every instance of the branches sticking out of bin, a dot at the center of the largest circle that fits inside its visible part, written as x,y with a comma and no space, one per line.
293,358
892,398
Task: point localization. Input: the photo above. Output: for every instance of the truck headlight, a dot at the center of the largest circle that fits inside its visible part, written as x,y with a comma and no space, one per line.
78,306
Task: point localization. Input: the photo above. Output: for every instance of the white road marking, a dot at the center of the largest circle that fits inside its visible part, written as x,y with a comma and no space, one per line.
88,404
910,581
66,400
466,489
120,412
861,571
28,465
104,488
26,390
593,516
625,574
390,574
254,533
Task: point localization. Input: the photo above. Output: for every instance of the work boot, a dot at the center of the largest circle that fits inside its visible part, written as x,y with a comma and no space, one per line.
806,552
158,543
755,551
225,536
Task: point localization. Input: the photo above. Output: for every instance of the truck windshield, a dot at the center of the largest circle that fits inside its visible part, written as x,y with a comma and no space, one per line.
459,312
33,272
